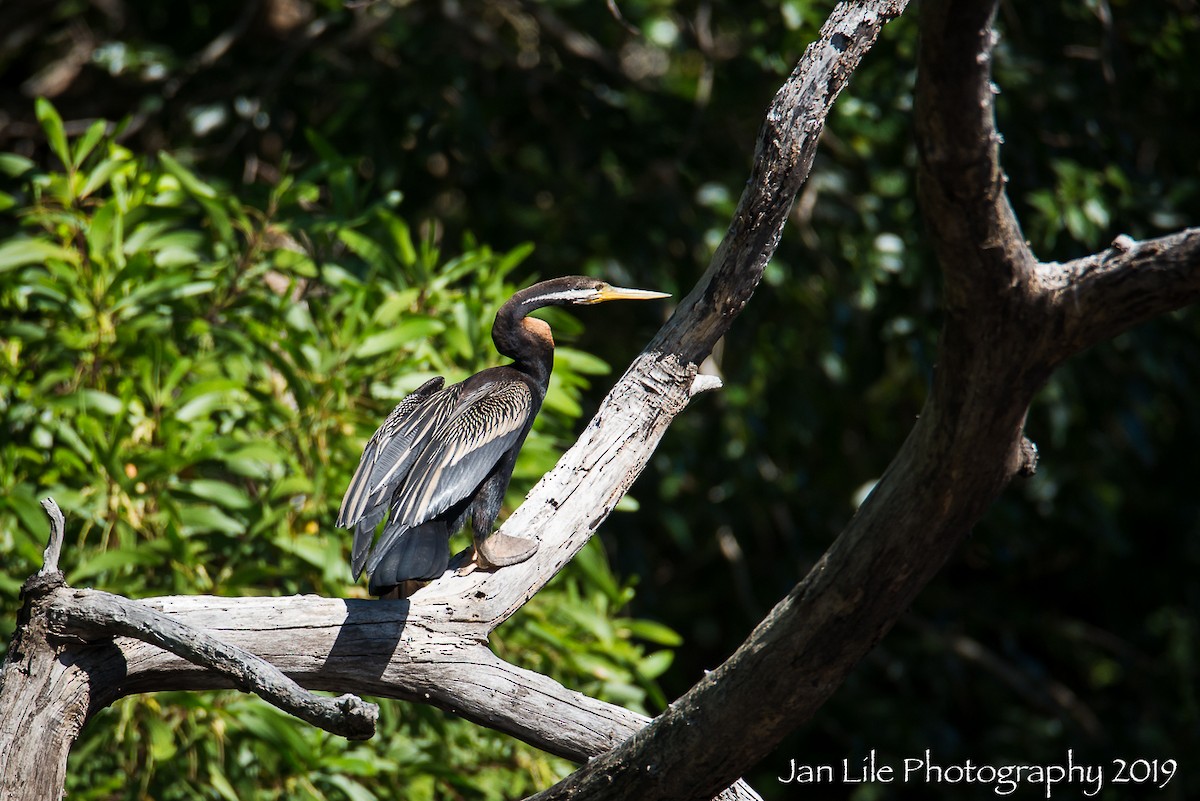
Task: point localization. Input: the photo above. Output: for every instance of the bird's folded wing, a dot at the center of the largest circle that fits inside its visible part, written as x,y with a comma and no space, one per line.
389,446
486,424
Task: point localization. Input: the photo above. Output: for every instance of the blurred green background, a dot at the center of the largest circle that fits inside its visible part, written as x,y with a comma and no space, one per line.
301,210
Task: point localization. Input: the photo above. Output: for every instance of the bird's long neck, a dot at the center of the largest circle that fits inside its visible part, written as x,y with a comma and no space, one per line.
525,340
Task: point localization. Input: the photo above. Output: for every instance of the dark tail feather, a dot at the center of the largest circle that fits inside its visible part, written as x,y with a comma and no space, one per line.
364,534
420,553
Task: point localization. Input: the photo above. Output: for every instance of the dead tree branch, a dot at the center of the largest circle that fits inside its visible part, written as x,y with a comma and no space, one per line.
91,614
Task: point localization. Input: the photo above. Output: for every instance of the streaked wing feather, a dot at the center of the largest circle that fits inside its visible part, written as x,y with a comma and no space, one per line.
363,506
399,452
487,423
362,485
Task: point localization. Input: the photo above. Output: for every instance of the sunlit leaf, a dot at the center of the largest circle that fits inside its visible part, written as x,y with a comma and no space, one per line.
86,143
16,253
199,519
96,564
410,329
656,664
52,125
219,492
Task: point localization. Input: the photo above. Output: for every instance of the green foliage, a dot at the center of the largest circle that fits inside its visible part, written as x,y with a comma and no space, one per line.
194,385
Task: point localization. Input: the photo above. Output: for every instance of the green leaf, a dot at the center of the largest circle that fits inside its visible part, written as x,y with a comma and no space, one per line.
368,250
656,664
114,560
291,486
162,740
199,519
221,784
396,304
257,460
514,257
101,174
14,166
654,632
219,492
401,236
353,790
95,400
23,252
413,328
187,179
52,124
205,398
88,142
580,362
25,505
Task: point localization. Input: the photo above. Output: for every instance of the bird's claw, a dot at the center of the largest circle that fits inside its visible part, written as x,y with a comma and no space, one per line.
502,550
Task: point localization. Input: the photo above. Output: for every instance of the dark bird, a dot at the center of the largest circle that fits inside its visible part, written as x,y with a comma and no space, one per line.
447,453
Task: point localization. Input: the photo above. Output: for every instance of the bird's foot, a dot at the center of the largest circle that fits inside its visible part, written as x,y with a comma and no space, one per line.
502,550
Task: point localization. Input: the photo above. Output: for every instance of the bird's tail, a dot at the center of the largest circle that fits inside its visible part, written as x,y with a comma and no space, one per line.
419,553
364,534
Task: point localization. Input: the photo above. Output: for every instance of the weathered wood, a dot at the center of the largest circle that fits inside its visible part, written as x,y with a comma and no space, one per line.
385,648
91,614
54,545
378,648
43,703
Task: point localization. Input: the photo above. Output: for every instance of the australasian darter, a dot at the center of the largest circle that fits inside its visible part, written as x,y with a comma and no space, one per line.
447,453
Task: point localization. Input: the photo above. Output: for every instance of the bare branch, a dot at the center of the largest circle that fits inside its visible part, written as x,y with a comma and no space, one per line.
571,501
585,485
55,542
90,613
1099,296
382,648
787,144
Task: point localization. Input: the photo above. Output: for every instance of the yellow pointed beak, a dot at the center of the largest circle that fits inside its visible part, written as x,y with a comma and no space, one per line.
607,293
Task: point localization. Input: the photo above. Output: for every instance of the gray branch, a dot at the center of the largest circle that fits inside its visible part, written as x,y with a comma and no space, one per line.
1094,298
91,614
55,542
380,648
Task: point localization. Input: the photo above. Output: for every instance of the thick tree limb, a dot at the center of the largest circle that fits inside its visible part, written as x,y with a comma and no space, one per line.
962,188
382,648
783,157
737,714
91,613
367,647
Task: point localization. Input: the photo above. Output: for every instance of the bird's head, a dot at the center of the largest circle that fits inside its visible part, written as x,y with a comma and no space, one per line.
578,290
518,336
